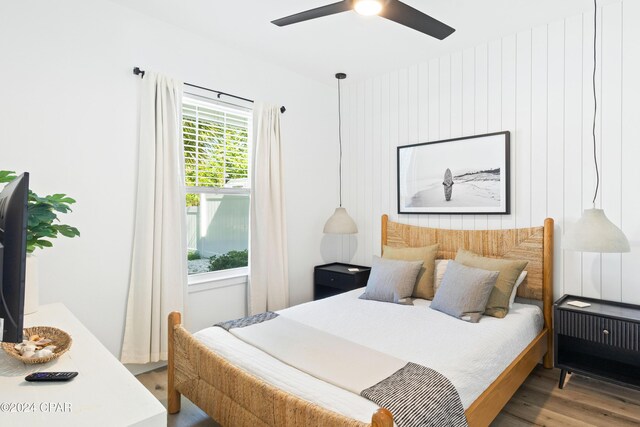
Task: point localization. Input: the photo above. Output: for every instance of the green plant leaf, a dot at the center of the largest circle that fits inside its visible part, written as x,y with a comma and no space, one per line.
7,176
43,243
66,230
42,217
61,198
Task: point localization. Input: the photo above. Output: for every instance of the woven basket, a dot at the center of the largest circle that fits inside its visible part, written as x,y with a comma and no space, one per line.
59,338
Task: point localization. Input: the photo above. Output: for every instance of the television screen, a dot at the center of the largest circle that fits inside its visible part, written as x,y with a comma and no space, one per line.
13,252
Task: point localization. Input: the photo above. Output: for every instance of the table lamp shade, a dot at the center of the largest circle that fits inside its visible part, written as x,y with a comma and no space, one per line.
340,223
595,233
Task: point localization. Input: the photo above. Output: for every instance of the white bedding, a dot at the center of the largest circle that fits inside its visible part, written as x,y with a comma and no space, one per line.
470,355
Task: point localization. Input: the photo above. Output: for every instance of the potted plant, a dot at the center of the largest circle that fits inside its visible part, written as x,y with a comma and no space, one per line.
43,225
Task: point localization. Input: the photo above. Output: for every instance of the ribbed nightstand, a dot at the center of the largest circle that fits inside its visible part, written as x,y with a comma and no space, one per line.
601,341
335,278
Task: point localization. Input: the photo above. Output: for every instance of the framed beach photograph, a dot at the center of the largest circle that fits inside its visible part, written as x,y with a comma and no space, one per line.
467,175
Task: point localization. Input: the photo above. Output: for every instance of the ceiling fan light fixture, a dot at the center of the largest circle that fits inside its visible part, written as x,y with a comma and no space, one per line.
368,7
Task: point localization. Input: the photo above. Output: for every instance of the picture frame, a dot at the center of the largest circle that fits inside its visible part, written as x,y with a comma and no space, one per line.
459,176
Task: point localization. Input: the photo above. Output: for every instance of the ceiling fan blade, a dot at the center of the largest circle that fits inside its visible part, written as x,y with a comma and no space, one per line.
318,12
404,14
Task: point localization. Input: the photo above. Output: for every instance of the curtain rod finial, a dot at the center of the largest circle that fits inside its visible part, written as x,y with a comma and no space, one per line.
138,72
282,109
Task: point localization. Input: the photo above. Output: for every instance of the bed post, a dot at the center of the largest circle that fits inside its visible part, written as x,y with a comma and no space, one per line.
173,397
382,418
547,289
385,220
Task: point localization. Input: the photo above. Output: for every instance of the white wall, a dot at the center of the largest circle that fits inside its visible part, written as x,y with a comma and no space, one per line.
536,84
68,110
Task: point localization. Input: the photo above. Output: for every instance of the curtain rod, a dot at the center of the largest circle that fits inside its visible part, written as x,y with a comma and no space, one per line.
138,72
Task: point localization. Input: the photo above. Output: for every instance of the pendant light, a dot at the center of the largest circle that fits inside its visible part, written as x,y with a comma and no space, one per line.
340,222
594,232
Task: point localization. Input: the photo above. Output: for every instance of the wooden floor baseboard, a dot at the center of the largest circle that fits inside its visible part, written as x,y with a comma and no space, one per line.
538,402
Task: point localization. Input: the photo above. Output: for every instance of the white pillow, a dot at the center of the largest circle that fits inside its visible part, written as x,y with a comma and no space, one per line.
438,273
512,298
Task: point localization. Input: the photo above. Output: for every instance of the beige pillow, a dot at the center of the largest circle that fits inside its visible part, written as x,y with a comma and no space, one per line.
441,267
498,305
427,254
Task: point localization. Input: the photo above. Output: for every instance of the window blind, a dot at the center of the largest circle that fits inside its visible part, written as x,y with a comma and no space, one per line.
216,144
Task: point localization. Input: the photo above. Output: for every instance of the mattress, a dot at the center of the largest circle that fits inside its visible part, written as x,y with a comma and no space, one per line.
471,355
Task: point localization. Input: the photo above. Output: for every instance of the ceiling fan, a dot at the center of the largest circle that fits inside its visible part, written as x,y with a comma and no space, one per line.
393,10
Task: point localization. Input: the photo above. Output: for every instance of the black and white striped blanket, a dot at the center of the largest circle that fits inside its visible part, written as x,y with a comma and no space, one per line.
417,396
247,321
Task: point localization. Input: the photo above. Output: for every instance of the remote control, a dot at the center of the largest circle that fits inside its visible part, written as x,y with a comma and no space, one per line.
51,376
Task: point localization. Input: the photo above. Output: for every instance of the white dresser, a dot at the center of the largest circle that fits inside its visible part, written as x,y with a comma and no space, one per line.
103,394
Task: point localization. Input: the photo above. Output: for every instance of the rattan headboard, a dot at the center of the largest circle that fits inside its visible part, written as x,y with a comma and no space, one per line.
533,244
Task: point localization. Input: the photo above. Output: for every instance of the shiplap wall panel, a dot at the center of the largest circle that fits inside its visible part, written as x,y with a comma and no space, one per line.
539,125
468,110
536,84
434,117
480,110
591,263
363,185
386,156
630,201
555,139
415,116
377,159
348,150
367,212
494,103
424,122
403,123
394,142
521,200
444,112
456,113
508,114
612,138
573,115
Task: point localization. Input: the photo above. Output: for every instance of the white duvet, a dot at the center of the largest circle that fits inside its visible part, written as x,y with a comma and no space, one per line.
470,355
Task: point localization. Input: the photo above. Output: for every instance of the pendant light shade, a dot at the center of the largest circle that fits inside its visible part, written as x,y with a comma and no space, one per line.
595,233
340,222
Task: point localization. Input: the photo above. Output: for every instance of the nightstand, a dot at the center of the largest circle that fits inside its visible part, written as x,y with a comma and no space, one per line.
600,341
335,278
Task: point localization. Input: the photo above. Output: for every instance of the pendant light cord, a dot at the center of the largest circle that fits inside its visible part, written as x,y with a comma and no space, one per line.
595,99
340,138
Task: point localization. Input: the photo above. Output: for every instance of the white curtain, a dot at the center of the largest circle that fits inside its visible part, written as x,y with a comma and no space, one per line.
158,277
268,281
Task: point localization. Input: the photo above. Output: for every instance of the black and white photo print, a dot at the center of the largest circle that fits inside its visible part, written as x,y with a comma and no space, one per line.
467,175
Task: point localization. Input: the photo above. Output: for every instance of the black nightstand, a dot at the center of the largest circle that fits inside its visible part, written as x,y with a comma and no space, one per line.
601,341
335,278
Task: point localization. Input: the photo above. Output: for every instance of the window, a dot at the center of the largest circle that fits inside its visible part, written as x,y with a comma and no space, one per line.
216,155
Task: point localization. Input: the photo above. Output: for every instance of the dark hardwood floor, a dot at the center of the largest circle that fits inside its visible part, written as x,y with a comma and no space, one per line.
538,402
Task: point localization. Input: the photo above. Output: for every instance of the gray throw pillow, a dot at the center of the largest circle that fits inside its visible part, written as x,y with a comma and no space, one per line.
464,291
391,280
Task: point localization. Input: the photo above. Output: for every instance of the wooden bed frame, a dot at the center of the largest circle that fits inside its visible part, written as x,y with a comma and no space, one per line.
234,397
